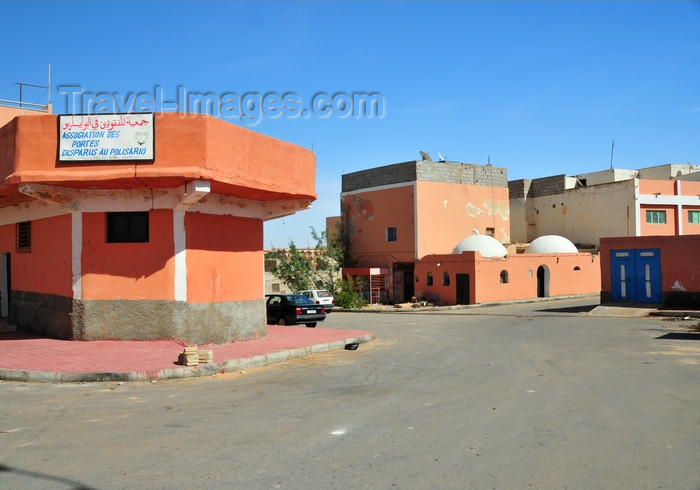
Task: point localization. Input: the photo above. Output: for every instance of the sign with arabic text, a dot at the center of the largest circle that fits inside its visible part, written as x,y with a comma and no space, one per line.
105,137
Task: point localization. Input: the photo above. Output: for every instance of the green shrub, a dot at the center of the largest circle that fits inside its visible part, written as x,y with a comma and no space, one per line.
348,297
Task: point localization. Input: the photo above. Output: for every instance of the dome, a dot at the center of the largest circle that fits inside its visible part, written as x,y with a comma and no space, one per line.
551,244
487,246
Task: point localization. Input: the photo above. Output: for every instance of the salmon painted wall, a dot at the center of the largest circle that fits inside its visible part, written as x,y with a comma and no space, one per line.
369,214
262,163
237,160
690,228
651,229
447,213
7,114
48,267
690,188
7,149
224,258
485,276
665,187
128,271
680,259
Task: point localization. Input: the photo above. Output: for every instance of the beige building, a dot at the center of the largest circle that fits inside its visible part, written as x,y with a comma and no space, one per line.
660,200
275,285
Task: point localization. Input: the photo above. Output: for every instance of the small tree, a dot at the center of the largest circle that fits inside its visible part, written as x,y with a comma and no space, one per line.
320,270
293,267
330,253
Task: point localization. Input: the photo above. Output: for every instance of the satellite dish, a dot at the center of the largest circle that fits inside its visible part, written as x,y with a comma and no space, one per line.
475,231
442,159
425,156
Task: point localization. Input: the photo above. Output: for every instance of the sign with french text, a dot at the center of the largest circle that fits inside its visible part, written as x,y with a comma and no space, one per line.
107,137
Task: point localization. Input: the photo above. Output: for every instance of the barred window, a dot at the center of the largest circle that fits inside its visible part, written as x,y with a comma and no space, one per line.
24,237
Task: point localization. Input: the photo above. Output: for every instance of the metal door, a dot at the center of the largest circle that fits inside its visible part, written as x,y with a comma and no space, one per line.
398,287
4,285
463,292
636,275
648,274
622,265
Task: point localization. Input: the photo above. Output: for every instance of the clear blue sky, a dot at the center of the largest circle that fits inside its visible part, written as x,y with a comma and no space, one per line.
541,88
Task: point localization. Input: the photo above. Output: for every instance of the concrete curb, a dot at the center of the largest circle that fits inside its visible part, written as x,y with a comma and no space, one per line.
448,308
676,313
180,372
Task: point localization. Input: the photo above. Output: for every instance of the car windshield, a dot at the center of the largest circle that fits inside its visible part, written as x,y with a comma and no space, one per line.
298,299
324,294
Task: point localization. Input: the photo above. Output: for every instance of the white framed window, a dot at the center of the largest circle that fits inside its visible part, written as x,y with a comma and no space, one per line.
656,217
694,217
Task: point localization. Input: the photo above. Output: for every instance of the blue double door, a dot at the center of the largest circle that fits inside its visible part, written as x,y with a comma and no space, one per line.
636,275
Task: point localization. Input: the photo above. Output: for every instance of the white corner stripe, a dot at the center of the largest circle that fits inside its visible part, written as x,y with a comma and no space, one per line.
180,253
76,254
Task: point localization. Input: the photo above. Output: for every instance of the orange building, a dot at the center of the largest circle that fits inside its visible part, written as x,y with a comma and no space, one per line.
396,214
470,278
435,230
141,226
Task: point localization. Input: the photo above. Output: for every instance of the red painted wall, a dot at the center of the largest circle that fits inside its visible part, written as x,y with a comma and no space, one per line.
48,267
224,258
680,259
128,271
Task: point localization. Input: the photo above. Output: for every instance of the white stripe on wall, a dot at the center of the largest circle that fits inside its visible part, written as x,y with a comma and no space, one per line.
76,253
180,254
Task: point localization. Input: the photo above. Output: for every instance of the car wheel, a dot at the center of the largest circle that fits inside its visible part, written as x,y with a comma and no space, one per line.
311,325
280,321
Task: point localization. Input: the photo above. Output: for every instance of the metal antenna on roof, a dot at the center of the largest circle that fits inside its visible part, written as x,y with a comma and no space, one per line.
611,154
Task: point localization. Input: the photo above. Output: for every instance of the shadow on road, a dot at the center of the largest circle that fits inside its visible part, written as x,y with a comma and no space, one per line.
571,309
75,485
680,336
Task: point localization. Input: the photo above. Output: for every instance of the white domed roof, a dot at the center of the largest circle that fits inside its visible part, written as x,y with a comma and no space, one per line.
487,246
551,244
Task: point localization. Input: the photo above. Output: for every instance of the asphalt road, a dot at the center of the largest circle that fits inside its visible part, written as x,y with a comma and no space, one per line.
520,396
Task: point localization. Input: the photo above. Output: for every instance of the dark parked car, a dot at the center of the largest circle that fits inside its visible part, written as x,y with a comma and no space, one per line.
293,309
